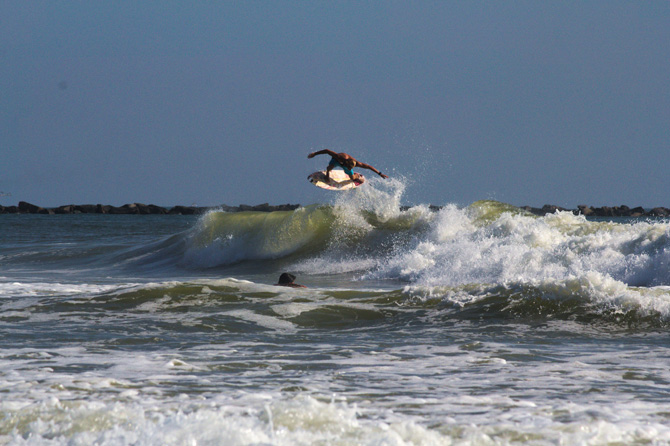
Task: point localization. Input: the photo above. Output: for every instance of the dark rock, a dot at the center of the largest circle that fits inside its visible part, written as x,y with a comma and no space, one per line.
585,210
659,212
123,210
183,210
637,212
68,209
604,211
620,211
287,207
150,209
623,210
265,207
157,210
132,208
27,208
85,209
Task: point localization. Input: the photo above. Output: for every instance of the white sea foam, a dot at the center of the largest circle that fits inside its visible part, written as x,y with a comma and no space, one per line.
560,249
380,197
41,289
413,392
274,420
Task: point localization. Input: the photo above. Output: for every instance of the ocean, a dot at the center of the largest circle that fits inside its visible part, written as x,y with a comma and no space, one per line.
468,325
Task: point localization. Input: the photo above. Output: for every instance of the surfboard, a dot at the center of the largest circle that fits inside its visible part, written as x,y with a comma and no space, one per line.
338,180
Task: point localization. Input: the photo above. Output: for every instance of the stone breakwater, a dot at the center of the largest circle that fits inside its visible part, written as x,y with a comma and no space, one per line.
138,208
604,211
151,209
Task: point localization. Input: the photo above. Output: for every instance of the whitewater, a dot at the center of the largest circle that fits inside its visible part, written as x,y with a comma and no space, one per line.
457,325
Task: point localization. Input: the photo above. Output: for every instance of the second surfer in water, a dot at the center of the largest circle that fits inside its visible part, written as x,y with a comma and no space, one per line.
346,162
287,279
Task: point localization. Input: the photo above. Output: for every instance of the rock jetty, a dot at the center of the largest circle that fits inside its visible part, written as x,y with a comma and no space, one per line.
138,209
604,211
151,209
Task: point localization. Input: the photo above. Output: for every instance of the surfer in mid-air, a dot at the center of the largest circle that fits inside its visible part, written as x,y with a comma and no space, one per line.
346,162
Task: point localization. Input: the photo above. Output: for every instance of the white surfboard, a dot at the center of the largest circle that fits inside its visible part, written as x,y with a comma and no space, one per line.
338,180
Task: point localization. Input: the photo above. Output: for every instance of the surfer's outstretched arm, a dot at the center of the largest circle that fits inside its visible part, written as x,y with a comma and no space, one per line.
367,166
322,152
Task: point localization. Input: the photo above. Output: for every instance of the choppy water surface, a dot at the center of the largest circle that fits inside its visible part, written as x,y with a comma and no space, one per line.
476,325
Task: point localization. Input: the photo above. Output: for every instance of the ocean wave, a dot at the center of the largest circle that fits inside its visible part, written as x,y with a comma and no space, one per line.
486,244
233,305
343,229
221,238
591,299
367,236
364,238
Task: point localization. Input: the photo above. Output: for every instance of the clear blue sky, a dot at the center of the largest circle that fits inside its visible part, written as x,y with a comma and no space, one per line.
526,102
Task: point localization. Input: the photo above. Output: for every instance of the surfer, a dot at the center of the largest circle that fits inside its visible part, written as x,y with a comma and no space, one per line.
287,279
346,162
